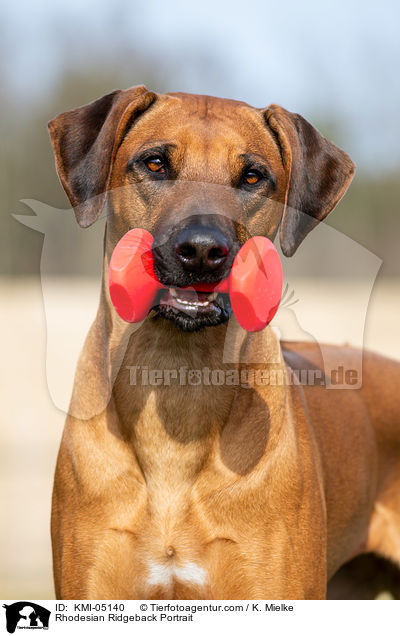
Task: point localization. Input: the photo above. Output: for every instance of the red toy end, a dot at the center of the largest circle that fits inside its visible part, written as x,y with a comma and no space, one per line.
256,283
131,279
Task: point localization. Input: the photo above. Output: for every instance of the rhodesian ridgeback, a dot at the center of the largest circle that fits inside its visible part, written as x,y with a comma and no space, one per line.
180,490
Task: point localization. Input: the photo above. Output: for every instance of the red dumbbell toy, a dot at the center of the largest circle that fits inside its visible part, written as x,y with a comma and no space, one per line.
254,284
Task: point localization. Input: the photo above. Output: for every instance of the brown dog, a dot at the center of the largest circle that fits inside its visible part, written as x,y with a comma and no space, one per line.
199,491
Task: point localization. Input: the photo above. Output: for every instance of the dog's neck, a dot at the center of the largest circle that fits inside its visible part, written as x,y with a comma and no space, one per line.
181,376
179,398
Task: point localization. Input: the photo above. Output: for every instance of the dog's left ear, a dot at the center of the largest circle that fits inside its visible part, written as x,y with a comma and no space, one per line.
85,141
318,174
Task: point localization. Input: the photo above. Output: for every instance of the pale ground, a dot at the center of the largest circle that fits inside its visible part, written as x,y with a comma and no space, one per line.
31,424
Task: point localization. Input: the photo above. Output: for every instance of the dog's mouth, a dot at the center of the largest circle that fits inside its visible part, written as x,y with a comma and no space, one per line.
192,310
188,300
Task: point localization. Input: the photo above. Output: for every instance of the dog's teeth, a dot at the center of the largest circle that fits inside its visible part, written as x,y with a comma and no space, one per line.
194,301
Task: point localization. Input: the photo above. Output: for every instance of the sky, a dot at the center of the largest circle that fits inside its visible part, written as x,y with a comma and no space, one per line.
331,61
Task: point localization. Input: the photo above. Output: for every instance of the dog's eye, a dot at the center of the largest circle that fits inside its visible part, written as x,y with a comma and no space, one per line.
155,164
252,177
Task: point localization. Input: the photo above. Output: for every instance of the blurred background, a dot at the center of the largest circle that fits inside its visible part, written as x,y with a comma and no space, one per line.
334,62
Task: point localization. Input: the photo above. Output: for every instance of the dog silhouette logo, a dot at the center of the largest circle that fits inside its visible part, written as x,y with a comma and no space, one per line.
26,615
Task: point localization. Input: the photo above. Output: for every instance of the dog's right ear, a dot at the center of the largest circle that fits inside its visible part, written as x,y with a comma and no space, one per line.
85,141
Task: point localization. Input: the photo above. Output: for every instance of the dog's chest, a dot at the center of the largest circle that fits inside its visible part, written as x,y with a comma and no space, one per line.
179,553
185,543
176,516
192,541
171,541
172,545
174,565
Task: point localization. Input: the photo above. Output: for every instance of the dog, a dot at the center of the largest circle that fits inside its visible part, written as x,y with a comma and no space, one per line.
171,490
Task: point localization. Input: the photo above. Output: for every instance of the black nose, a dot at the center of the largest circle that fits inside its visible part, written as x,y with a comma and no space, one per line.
201,250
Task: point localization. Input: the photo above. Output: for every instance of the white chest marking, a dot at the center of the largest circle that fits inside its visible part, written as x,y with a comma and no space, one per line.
163,574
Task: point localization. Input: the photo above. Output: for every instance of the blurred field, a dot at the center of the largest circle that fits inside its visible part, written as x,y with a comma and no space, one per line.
31,425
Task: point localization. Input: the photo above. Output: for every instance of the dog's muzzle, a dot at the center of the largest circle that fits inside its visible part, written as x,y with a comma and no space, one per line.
252,289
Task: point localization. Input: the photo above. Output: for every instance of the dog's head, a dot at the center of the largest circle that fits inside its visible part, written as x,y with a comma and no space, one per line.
202,174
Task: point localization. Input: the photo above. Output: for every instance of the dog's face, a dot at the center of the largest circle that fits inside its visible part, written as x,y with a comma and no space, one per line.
202,174
201,187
